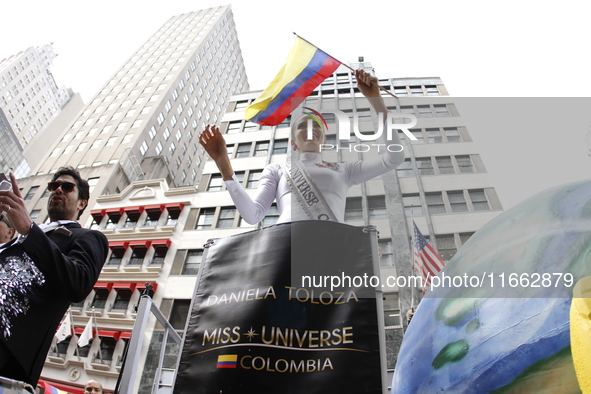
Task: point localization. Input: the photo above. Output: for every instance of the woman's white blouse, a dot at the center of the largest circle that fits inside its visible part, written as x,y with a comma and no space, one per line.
332,179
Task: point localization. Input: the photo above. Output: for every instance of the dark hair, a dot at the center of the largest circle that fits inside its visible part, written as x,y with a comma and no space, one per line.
82,184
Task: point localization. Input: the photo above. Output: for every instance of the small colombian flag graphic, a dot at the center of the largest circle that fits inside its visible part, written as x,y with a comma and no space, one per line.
227,361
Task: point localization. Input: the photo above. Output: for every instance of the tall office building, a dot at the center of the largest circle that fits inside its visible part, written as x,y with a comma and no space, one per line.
30,101
145,120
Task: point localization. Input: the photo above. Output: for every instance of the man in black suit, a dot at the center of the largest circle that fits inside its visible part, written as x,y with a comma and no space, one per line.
43,271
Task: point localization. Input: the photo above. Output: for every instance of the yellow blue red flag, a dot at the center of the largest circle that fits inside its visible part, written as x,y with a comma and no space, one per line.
305,69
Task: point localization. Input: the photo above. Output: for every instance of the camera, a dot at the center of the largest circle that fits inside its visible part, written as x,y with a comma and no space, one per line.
5,183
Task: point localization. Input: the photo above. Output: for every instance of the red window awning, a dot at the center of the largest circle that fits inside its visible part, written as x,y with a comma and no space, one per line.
177,206
125,335
127,286
139,244
79,331
103,285
114,214
109,334
161,243
114,211
136,210
118,244
98,214
152,208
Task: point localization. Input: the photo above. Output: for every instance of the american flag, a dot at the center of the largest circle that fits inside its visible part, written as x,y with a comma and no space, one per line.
426,260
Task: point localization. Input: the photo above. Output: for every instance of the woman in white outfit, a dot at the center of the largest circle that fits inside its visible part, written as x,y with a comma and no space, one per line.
331,179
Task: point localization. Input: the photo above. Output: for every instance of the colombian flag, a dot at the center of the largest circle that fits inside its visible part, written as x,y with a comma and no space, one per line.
227,361
306,68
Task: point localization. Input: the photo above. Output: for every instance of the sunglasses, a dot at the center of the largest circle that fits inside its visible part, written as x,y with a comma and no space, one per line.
4,219
67,187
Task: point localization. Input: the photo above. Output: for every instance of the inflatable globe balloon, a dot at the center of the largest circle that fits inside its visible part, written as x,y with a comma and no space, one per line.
502,323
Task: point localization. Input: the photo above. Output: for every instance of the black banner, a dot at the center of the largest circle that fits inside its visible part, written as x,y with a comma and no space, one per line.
267,315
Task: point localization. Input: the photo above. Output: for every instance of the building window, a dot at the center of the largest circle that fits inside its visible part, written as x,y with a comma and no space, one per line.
100,299
62,347
31,192
113,220
174,211
243,150
192,262
122,300
116,256
234,127
132,218
34,214
418,134
153,216
385,252
241,105
452,134
137,256
205,219
441,110
159,255
445,165
433,135
432,90
253,179
392,312
105,356
143,148
226,218
404,170
261,148
435,203
272,216
465,164
377,207
425,166
179,313
424,111
215,183
479,200
457,201
353,209
412,205
416,90
446,246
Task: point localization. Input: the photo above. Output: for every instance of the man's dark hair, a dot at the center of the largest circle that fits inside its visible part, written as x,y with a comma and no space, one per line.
81,184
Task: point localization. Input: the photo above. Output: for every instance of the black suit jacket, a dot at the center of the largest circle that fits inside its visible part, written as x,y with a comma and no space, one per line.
45,274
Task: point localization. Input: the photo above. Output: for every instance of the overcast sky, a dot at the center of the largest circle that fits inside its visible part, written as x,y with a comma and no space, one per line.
479,49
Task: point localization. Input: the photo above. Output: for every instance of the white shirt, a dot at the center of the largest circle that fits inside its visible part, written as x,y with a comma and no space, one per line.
333,181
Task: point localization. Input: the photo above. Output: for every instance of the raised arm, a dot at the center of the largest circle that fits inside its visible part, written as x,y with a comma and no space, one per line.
365,170
368,86
251,210
214,144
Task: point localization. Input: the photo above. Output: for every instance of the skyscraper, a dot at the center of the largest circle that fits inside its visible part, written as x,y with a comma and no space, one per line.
30,101
144,122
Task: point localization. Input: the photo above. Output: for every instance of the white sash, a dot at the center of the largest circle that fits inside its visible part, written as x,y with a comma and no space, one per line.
306,192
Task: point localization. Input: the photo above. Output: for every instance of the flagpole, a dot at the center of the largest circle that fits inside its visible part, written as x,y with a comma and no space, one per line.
412,240
97,334
349,67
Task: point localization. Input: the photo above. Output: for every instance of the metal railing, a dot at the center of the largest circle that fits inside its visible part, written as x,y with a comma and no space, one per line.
129,369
